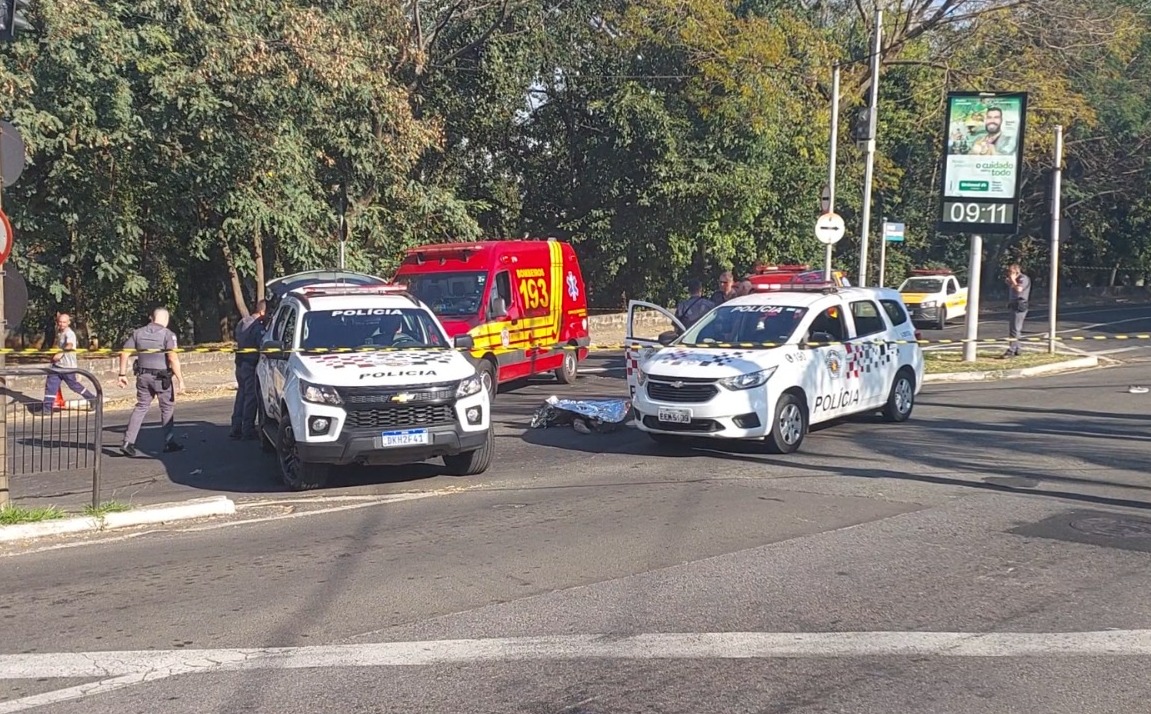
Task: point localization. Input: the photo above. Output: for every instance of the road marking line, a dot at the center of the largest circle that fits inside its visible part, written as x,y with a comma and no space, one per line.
128,668
702,645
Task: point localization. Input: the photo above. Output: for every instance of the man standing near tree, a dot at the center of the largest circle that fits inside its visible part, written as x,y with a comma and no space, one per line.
249,335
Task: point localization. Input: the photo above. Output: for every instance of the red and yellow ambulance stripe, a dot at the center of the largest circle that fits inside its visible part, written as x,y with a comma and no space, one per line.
528,332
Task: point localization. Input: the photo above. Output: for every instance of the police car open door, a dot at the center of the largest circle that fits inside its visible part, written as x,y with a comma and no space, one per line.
646,324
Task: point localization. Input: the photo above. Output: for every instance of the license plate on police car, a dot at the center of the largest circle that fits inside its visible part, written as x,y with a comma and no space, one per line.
674,416
404,437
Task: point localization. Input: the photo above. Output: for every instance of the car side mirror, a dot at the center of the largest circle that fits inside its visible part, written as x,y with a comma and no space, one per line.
666,338
465,342
819,339
499,307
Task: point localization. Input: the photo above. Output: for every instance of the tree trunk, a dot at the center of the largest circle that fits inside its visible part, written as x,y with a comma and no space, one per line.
234,279
259,257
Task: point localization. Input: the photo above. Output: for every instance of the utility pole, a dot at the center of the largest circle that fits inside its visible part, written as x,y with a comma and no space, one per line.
1056,211
831,162
882,251
974,271
870,170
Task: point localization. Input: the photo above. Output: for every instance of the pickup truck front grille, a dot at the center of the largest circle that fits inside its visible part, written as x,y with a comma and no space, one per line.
402,416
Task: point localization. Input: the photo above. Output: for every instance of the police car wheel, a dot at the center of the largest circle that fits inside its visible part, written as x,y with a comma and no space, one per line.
566,374
297,475
487,373
789,426
901,400
472,463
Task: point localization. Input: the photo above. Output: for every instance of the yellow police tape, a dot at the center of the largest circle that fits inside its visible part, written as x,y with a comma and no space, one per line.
108,352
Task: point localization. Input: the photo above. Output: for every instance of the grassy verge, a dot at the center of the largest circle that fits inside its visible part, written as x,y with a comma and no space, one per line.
105,508
13,515
941,361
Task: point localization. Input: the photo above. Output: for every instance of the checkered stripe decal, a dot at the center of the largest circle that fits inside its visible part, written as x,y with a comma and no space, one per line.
399,358
708,359
868,357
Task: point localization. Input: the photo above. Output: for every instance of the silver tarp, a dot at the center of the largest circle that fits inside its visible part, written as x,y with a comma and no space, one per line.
584,415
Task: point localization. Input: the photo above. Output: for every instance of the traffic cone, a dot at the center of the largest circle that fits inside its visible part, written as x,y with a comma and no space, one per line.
59,398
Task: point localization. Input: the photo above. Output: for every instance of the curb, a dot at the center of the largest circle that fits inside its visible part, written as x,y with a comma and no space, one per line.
162,513
1054,368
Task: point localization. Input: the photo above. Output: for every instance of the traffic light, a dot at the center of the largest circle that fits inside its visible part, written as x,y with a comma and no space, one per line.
13,18
861,125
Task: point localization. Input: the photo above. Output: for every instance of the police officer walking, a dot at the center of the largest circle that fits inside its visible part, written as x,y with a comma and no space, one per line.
157,372
249,335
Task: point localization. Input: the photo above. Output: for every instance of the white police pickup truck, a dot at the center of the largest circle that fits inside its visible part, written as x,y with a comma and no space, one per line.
836,351
366,374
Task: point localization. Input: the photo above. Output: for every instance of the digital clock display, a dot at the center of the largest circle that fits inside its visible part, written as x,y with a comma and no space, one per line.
991,217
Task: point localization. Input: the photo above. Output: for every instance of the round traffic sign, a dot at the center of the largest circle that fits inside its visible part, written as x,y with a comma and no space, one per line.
5,237
829,228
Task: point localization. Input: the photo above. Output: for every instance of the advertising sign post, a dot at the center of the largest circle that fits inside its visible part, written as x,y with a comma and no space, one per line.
982,168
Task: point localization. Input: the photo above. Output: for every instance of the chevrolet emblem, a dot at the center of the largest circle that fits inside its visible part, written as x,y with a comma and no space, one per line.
402,398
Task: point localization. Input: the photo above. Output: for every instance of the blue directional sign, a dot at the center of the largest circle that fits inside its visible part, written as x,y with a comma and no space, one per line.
893,232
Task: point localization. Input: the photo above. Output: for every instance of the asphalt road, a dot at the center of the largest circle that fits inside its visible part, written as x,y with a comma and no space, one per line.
1090,328
596,574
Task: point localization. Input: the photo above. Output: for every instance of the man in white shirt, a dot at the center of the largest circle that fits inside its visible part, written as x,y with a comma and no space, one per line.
64,360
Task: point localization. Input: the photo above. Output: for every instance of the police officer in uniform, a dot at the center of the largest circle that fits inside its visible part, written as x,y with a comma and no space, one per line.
157,374
249,335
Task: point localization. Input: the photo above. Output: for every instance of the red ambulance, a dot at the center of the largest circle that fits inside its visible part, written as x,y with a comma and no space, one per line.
522,301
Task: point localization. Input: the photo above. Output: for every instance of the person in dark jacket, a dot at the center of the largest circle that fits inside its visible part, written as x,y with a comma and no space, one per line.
695,306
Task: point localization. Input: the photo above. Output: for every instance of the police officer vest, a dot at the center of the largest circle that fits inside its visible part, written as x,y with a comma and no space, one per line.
153,337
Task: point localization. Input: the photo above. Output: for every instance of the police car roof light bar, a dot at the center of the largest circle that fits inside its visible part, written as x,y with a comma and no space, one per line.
825,287
761,268
931,271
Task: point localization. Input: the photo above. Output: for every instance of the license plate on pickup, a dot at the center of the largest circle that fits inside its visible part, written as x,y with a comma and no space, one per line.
404,437
674,416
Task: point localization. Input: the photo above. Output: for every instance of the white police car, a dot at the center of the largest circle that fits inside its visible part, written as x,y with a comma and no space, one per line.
333,397
717,380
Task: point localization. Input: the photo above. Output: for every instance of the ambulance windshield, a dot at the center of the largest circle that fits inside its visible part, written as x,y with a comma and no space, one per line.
761,325
398,328
449,294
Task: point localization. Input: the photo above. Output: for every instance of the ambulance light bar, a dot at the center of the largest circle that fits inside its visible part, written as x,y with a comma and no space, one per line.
443,252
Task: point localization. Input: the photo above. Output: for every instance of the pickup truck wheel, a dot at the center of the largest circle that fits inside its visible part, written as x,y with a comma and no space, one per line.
566,374
472,463
297,475
942,318
788,427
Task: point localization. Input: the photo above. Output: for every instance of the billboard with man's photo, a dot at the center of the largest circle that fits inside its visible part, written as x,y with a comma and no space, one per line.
984,145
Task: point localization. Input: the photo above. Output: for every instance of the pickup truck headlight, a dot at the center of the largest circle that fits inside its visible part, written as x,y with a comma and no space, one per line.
928,304
320,394
468,387
748,381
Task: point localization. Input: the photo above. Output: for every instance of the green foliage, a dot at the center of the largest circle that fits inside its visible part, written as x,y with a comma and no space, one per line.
181,154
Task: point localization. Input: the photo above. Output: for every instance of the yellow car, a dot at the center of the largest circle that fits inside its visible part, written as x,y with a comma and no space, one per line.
933,297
